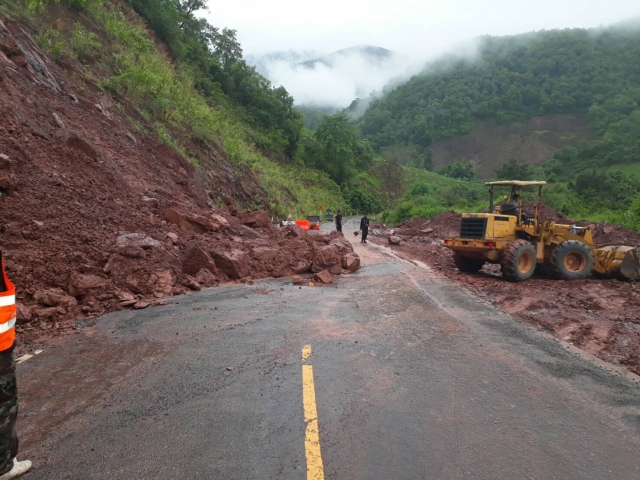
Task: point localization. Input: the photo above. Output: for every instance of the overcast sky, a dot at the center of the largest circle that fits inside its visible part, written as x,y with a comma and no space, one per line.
415,27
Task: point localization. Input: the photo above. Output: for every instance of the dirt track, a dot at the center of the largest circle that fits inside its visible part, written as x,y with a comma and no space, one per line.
599,316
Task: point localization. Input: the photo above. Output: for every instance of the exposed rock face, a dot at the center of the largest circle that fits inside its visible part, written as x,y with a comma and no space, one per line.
234,263
323,277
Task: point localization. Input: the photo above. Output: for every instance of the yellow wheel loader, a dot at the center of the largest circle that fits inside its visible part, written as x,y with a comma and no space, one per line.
522,244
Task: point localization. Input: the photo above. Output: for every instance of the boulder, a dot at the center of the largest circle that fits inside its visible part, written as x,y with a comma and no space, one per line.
234,262
325,257
196,259
205,277
196,223
136,240
174,238
351,262
45,313
335,269
301,267
264,253
295,231
55,298
393,240
81,284
343,246
259,218
133,252
162,282
323,277
81,144
141,305
24,313
191,283
298,280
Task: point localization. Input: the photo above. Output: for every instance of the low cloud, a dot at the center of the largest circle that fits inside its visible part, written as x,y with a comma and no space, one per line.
349,76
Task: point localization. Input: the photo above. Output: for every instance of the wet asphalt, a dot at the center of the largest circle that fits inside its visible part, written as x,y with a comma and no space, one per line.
415,379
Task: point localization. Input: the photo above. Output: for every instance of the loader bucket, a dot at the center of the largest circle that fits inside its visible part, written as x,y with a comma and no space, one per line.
630,265
620,261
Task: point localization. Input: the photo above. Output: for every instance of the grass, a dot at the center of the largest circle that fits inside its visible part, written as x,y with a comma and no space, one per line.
165,97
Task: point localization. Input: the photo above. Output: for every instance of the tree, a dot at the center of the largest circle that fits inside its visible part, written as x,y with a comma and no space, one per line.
339,140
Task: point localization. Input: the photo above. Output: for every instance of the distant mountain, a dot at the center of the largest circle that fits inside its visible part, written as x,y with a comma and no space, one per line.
332,81
369,53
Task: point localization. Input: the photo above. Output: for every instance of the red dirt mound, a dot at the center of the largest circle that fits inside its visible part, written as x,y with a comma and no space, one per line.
95,217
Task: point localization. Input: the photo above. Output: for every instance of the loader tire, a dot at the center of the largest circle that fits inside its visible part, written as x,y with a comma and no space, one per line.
518,261
571,260
466,264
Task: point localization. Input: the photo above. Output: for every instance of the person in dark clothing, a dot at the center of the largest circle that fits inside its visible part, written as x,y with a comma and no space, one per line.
512,206
364,227
339,221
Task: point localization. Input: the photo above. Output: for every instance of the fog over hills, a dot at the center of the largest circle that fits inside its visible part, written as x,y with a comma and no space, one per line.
336,79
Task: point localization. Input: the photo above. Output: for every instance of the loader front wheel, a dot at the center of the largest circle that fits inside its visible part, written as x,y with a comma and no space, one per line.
518,261
571,260
466,264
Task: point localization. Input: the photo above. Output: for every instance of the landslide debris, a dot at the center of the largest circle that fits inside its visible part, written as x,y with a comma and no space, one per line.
95,217
598,316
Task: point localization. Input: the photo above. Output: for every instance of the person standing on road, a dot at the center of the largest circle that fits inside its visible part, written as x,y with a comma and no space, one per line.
9,465
339,221
364,227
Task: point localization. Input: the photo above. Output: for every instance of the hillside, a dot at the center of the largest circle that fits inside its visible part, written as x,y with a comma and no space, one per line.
512,79
124,180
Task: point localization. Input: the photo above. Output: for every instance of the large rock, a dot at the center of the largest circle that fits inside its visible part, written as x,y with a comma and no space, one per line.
393,240
335,269
351,262
136,240
162,282
81,284
264,253
196,259
325,257
196,223
343,246
295,231
206,278
323,277
254,219
234,262
55,298
298,280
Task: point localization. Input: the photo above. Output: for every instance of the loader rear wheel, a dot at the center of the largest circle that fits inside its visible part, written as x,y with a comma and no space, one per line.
571,260
518,261
466,264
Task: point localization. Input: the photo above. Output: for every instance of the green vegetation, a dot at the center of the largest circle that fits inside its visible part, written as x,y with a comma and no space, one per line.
208,95
513,78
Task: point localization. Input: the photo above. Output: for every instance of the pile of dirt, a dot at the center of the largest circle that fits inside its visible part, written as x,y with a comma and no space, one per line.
95,217
446,224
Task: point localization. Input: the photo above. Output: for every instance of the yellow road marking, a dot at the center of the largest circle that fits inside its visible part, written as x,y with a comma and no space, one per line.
306,352
315,469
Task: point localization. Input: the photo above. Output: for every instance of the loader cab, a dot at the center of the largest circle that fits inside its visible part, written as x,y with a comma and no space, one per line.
515,196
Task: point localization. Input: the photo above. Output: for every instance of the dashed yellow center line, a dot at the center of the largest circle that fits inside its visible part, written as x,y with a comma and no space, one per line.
315,469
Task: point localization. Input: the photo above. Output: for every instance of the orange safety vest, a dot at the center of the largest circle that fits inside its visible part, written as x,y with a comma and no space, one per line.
7,313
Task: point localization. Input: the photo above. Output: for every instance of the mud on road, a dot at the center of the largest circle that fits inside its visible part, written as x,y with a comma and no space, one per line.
601,317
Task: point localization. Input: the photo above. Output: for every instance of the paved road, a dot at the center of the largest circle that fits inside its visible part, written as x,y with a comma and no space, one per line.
414,379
